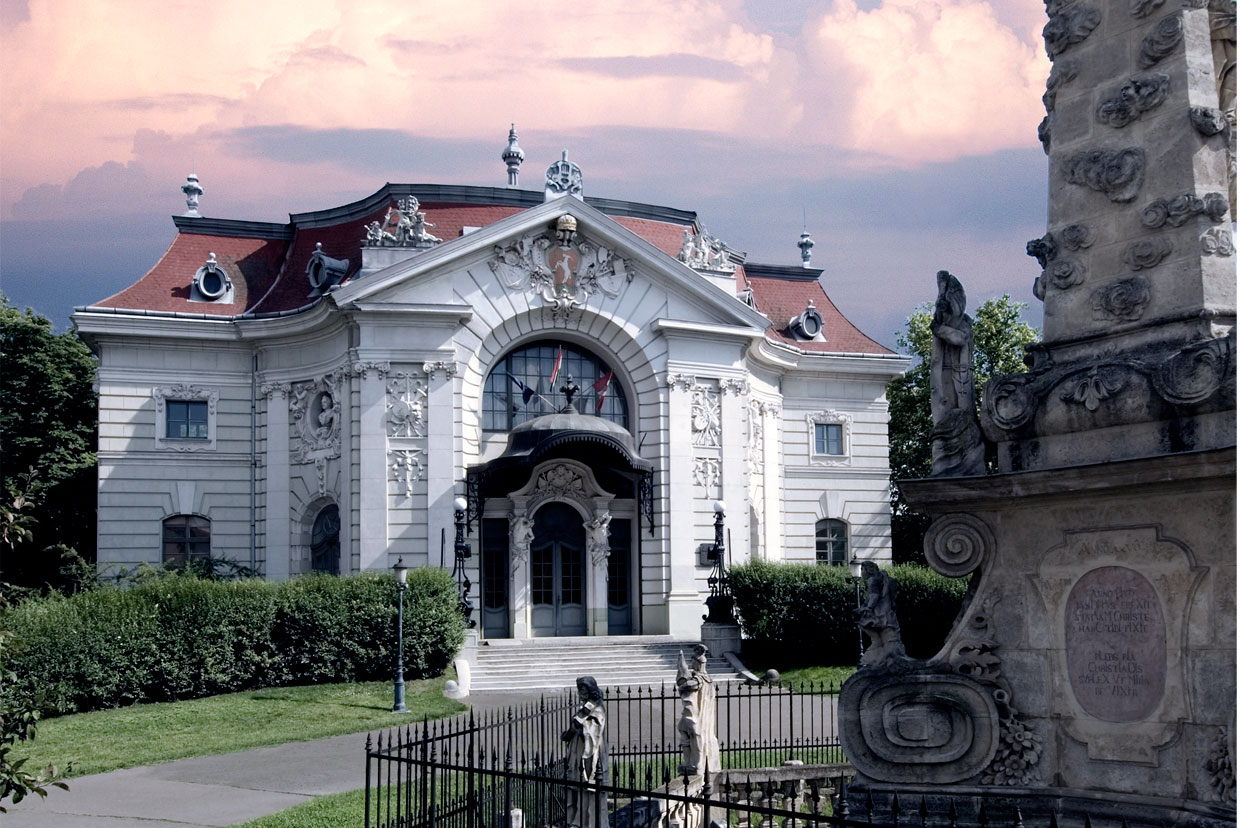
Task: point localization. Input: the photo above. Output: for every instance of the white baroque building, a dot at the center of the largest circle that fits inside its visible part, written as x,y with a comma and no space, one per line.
316,395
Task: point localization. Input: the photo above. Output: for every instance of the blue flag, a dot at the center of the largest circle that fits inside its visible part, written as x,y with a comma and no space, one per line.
527,393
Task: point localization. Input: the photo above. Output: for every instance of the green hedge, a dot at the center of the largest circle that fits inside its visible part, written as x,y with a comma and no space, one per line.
802,614
183,637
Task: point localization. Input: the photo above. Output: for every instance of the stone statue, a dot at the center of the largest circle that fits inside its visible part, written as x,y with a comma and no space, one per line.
585,745
956,445
699,743
418,233
326,418
1223,46
877,617
597,542
522,535
569,389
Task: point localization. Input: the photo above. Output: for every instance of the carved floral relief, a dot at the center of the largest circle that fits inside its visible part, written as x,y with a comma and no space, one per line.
706,417
406,405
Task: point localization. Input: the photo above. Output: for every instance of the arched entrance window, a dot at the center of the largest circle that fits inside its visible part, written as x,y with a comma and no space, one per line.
325,541
831,542
519,388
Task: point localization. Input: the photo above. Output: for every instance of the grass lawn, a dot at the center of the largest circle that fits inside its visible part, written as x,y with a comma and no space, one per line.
834,676
342,810
144,734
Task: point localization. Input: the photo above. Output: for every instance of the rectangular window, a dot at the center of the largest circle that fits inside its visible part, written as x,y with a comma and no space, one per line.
828,438
186,420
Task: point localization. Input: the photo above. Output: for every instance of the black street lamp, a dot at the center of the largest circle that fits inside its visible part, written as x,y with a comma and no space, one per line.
855,566
400,571
719,604
462,553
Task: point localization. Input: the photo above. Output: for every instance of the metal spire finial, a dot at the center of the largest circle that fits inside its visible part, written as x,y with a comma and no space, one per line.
512,155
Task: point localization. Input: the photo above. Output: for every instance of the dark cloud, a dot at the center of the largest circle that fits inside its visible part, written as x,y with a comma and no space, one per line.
111,188
671,65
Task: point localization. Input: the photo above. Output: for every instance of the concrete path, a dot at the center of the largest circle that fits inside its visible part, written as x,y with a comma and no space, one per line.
209,790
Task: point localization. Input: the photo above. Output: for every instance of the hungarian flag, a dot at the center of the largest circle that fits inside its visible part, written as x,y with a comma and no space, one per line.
527,393
600,390
559,358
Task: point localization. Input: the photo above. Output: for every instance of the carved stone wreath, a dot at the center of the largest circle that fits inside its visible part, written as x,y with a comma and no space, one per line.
564,275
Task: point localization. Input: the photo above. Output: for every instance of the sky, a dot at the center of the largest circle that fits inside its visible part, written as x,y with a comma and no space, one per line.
900,133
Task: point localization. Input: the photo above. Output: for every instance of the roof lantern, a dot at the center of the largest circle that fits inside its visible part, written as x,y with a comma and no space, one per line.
512,155
563,179
192,190
807,245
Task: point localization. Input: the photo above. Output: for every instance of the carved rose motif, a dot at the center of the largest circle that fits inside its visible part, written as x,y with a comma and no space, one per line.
1178,210
1136,96
1217,242
1142,8
1162,41
1147,253
1068,28
1123,300
1117,173
1076,237
1101,383
1062,72
1064,274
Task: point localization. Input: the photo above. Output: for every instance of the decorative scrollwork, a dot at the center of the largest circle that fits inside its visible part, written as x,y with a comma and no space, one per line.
1008,402
958,543
1099,384
1193,374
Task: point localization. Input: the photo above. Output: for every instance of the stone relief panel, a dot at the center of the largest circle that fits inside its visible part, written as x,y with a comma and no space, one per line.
1076,237
406,467
1147,253
706,416
1217,242
406,405
1144,8
317,408
1121,301
1067,28
708,476
1117,601
1095,386
564,271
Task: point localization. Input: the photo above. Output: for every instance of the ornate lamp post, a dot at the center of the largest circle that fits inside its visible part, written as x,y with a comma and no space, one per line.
855,566
719,603
400,571
462,554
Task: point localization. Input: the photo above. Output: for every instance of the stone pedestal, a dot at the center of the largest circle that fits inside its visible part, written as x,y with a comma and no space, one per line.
721,638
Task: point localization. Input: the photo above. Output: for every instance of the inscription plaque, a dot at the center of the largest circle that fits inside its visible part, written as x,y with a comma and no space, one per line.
1116,643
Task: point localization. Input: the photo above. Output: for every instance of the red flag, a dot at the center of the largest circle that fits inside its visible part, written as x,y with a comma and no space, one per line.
600,389
559,357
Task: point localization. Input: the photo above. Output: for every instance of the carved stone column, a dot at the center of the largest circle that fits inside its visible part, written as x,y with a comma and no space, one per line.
774,523
372,463
734,400
597,547
276,524
684,604
520,534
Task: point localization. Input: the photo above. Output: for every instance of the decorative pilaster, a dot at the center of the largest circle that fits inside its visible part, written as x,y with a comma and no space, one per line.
441,471
276,530
684,604
734,400
373,464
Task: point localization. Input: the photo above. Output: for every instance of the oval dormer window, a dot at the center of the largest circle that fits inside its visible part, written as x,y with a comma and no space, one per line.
211,283
808,325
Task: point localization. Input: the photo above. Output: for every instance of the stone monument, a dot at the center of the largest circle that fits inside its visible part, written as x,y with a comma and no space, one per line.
699,742
1093,670
584,748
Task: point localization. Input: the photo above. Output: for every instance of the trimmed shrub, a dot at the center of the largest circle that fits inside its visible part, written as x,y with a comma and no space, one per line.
802,614
183,637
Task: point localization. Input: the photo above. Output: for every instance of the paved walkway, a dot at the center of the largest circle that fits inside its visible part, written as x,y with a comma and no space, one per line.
209,790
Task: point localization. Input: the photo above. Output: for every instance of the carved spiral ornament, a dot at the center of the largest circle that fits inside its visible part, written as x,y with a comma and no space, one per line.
957,544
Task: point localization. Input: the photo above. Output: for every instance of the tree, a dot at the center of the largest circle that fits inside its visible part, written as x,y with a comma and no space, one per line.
999,340
48,424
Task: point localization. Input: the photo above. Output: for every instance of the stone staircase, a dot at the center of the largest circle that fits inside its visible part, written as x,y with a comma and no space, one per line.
503,665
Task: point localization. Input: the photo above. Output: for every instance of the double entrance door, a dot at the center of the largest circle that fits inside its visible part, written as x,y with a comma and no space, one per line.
558,572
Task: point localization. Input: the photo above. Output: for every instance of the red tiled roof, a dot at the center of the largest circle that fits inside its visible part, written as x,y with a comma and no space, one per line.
783,299
251,264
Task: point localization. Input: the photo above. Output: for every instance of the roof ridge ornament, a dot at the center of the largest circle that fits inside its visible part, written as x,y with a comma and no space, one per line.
702,251
192,190
512,155
403,225
807,245
563,179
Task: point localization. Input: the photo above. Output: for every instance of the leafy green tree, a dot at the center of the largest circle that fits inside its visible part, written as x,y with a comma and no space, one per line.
999,340
48,424
19,720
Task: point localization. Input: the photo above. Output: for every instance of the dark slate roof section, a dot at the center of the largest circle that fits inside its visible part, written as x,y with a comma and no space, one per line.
229,227
792,273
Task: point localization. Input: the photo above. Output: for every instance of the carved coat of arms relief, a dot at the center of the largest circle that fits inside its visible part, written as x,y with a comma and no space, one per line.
560,268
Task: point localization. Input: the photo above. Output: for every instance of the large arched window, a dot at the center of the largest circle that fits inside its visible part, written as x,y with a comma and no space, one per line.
831,542
187,538
519,388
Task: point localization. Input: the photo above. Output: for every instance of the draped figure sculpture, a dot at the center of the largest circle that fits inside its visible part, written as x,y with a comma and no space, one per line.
956,446
877,617
696,725
584,737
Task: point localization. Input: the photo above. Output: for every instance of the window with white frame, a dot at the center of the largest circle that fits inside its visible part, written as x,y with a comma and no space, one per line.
829,437
831,542
185,417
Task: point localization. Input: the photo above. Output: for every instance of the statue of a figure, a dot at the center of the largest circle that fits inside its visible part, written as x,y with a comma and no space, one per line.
597,542
699,743
1223,45
956,447
522,535
418,232
877,617
585,745
326,418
